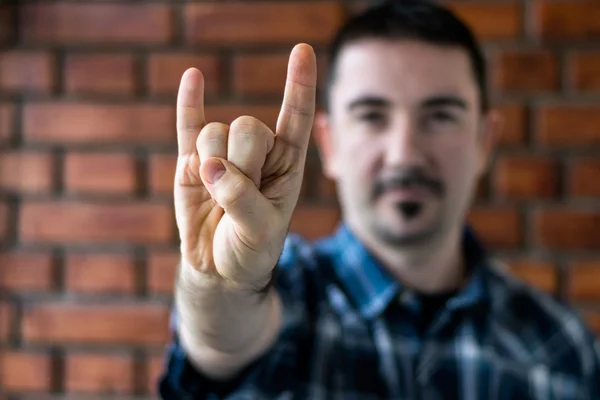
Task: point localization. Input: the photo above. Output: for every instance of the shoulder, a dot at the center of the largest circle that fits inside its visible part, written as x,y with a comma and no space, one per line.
297,249
304,271
552,331
302,259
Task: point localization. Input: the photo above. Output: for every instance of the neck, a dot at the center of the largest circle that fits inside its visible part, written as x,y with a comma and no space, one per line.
434,267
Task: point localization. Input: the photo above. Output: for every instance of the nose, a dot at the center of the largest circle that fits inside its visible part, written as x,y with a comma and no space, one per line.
404,146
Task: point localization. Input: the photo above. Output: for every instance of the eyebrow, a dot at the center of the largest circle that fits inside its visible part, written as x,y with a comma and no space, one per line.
435,101
366,101
444,101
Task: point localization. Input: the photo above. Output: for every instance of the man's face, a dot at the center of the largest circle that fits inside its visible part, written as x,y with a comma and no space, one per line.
404,139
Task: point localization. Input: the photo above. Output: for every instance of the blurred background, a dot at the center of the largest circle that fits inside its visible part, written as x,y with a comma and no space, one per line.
87,132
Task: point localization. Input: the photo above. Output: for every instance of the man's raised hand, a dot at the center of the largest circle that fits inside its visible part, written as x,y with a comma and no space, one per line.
237,186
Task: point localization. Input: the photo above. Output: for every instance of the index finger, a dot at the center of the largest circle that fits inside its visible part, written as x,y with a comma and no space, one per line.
190,110
298,109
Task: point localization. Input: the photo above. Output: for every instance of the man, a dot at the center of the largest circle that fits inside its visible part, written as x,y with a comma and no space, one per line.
402,302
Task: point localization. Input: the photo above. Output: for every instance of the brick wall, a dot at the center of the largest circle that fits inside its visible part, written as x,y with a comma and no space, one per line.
87,118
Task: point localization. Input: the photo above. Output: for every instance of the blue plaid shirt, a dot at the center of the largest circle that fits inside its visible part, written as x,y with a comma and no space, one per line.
351,332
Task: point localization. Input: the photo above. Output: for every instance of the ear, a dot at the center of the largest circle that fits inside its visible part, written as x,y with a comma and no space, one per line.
491,130
324,139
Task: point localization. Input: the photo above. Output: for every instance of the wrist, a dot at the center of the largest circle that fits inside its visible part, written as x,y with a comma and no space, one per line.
194,279
224,359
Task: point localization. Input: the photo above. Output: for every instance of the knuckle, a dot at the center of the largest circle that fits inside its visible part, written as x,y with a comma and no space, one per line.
213,132
248,126
294,110
184,126
250,132
245,121
188,120
214,129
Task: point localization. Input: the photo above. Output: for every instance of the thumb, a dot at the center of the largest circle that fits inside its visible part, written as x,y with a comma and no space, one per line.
239,197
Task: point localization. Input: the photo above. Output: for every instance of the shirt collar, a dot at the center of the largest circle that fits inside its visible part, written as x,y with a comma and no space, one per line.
371,288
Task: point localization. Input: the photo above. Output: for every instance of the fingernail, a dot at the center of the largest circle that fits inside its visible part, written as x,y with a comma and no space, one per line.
214,171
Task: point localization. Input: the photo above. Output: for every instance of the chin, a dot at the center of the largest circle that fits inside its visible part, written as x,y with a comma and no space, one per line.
394,229
405,237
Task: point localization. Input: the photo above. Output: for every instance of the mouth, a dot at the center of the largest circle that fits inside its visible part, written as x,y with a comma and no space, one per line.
406,194
411,186
410,209
410,202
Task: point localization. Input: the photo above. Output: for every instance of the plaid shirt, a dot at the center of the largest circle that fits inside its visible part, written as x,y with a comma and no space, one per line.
351,332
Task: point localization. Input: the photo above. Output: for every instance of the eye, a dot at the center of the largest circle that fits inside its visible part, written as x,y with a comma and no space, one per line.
372,117
439,120
442,116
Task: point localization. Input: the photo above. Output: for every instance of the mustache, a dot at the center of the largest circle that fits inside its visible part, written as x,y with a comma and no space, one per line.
412,177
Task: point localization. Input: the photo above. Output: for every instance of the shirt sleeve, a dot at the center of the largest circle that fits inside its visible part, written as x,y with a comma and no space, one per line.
182,381
595,378
274,372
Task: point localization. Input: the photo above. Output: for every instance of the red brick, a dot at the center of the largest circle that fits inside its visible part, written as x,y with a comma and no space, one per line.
324,188
513,124
568,126
567,229
100,173
526,177
26,271
306,188
22,71
100,273
584,67
262,22
356,7
26,172
7,23
584,177
99,373
228,113
70,122
482,189
6,121
155,368
6,318
260,74
115,324
26,372
100,74
265,74
498,227
166,69
540,274
584,280
162,173
593,321
67,22
5,220
513,71
327,188
81,223
162,268
568,19
314,222
494,20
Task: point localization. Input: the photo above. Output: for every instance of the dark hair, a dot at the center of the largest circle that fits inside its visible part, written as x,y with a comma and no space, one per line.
410,19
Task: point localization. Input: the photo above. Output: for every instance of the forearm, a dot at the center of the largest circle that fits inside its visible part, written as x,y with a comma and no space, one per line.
222,329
